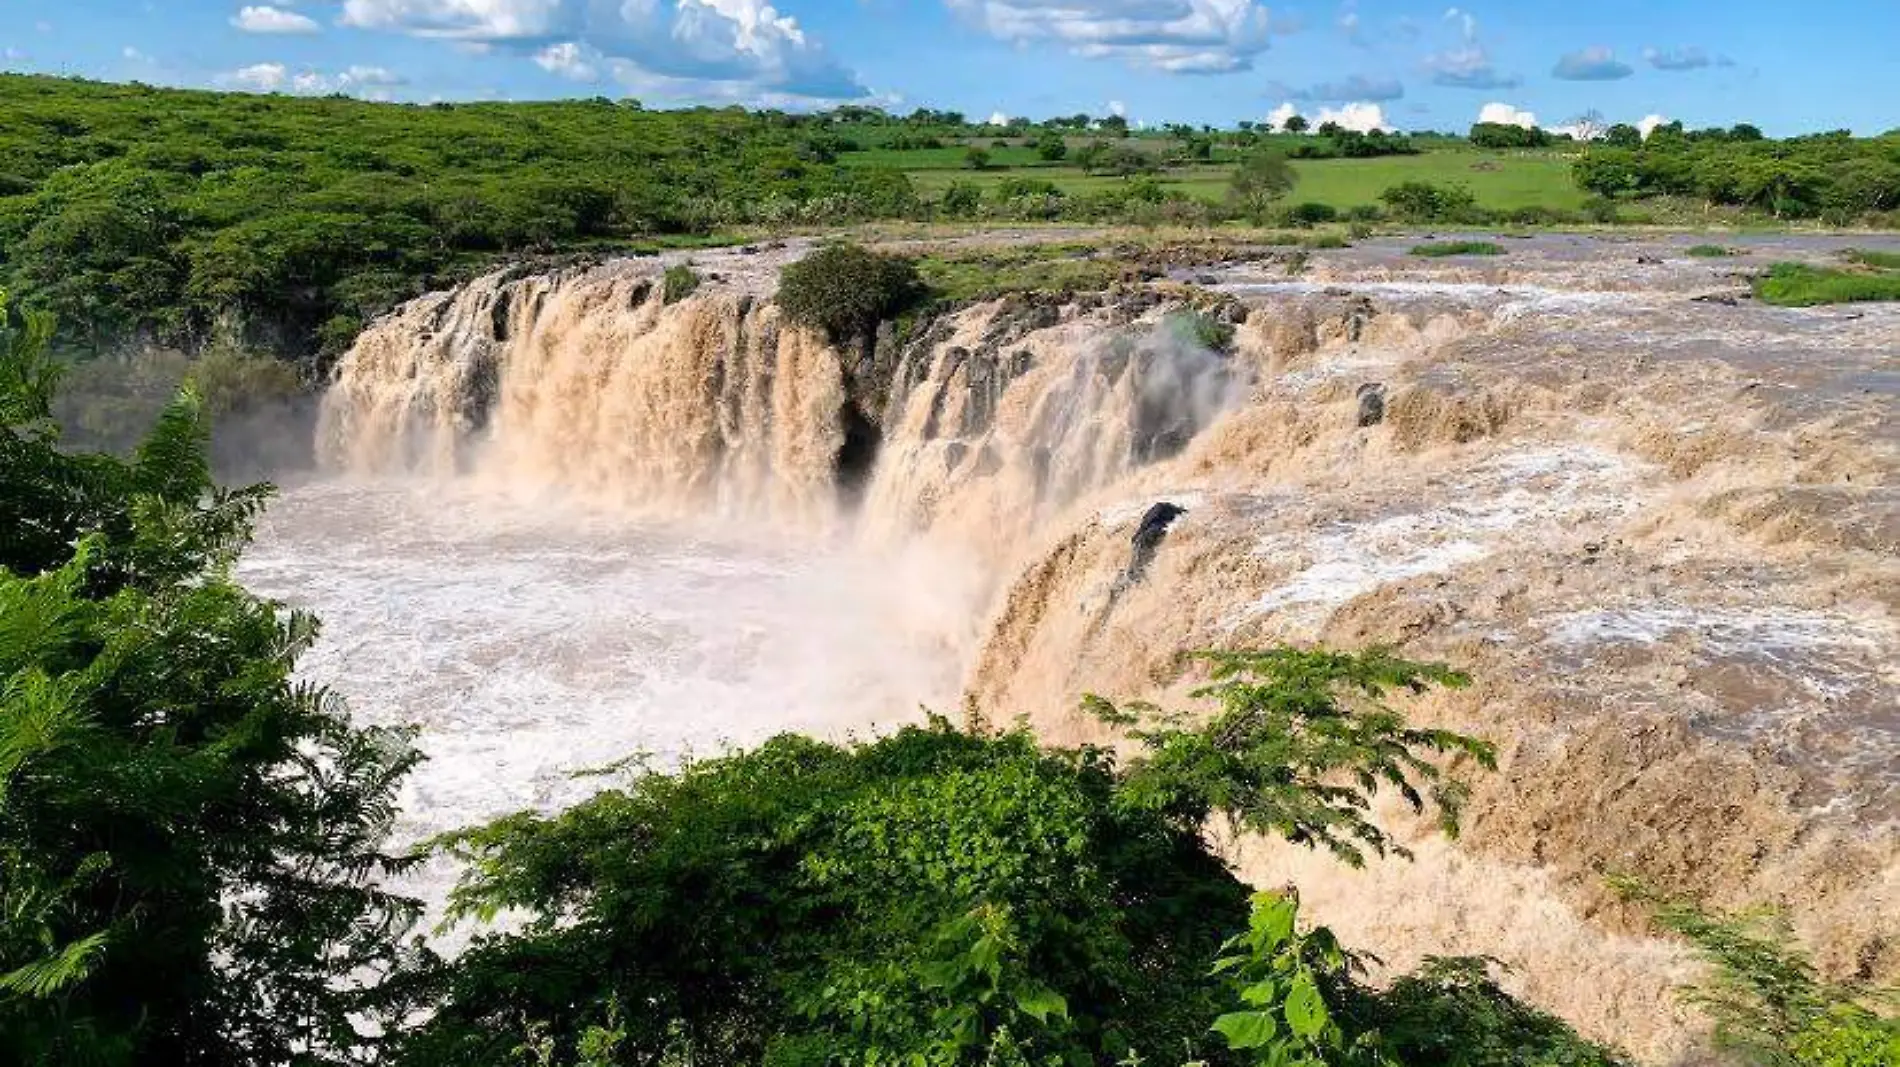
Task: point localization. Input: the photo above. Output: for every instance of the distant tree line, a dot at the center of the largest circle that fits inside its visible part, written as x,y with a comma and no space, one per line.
1835,177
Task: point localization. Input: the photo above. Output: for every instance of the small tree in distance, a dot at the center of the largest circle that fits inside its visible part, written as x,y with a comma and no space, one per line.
1262,178
1295,124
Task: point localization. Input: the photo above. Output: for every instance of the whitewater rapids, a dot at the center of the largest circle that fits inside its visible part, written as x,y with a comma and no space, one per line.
564,522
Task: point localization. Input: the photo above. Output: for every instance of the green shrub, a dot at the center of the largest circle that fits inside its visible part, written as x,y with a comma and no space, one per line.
976,158
1326,240
1202,329
842,290
961,199
1602,210
1424,202
1708,251
678,283
1800,285
1769,1006
1439,249
1310,214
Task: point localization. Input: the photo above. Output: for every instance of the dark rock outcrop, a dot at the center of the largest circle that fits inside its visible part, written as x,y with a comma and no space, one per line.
1371,404
1148,536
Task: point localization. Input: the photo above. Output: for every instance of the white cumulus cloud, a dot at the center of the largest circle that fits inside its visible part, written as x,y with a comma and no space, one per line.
1506,115
1173,36
371,83
1363,116
997,118
570,59
1649,123
258,77
1276,119
726,49
267,19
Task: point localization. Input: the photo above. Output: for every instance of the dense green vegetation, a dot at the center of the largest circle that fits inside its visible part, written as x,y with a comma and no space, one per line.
1441,249
1833,177
188,838
137,213
844,289
1709,251
678,282
129,210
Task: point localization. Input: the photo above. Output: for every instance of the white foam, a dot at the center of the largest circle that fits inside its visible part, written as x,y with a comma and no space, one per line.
531,643
1488,506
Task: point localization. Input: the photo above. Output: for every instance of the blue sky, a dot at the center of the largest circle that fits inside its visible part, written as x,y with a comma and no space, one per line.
1405,63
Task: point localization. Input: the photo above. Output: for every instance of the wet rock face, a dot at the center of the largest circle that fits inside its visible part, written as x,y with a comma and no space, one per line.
1371,404
1148,536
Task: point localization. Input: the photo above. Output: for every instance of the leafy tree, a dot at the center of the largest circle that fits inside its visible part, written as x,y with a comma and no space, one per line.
1295,124
1300,743
189,838
976,158
1330,129
1623,135
1260,180
844,289
1506,135
1051,146
934,895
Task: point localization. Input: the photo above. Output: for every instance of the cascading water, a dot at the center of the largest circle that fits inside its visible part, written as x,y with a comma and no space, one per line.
564,520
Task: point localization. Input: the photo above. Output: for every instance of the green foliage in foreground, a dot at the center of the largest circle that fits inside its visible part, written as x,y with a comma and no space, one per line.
1439,249
1801,285
843,290
1296,1000
188,837
1769,1006
937,897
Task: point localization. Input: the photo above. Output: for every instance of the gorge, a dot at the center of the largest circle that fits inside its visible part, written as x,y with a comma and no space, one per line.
562,521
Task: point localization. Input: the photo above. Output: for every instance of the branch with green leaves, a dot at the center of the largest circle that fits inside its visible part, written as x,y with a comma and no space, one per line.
1300,744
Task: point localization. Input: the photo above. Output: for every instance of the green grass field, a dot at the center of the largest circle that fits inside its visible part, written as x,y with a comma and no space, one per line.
1500,180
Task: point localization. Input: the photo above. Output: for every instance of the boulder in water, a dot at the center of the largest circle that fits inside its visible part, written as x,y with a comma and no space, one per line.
1371,404
1148,535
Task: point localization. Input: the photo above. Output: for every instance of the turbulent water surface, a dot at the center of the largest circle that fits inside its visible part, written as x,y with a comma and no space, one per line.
531,639
564,522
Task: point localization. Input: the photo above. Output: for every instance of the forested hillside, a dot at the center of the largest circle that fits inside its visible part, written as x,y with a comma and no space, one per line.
285,223
129,208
